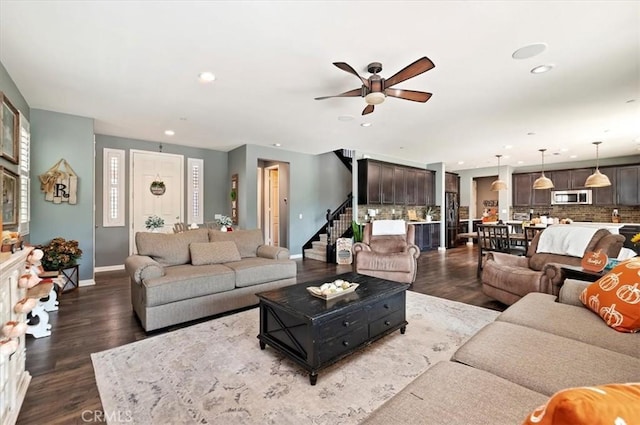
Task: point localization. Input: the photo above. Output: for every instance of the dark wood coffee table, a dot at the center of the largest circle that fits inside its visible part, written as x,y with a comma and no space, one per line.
316,333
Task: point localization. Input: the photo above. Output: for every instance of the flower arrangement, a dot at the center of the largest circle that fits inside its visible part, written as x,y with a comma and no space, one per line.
635,239
154,222
60,254
225,221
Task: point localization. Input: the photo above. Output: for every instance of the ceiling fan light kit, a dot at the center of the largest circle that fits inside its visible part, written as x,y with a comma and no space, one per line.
597,179
543,182
375,89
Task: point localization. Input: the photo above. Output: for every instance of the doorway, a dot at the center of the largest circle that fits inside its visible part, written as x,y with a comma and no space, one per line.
273,204
147,167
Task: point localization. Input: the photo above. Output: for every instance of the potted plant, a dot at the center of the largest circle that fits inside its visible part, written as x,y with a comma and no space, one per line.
60,254
225,223
153,223
429,214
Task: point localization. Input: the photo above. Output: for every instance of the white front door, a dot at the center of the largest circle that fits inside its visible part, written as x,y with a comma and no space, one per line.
146,167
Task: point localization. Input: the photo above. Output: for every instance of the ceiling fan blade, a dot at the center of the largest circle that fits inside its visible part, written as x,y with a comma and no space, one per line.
350,93
416,96
348,68
418,67
367,110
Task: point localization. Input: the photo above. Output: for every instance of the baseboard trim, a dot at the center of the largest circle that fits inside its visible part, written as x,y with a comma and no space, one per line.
294,256
442,249
86,282
109,268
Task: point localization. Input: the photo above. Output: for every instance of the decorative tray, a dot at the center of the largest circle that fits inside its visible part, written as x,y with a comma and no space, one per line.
332,290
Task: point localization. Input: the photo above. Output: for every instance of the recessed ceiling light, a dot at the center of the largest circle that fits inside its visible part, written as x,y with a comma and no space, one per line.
345,118
277,145
206,77
520,162
573,156
169,132
460,162
529,51
508,146
564,150
542,69
365,124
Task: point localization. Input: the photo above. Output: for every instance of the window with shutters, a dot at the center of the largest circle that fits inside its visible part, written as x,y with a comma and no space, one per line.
113,188
24,167
195,192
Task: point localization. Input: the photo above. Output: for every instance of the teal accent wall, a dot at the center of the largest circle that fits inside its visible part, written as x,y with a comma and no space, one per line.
54,136
112,243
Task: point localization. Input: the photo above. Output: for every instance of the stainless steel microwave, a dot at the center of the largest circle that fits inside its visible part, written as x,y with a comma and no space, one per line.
571,197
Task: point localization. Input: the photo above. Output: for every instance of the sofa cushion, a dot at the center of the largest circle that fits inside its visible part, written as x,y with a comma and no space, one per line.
254,271
169,249
601,405
542,312
213,252
247,241
388,244
396,262
442,396
615,297
188,281
544,362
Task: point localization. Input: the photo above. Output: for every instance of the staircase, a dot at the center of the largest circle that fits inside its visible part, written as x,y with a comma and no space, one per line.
335,229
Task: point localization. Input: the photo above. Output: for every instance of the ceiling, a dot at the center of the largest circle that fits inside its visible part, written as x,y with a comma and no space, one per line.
133,66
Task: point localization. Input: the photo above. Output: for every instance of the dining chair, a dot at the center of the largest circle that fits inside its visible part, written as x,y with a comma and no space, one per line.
530,232
495,238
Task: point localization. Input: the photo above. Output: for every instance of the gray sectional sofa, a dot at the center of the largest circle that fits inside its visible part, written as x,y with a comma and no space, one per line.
184,276
536,347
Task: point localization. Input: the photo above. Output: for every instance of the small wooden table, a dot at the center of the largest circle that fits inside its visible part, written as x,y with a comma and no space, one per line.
316,333
577,272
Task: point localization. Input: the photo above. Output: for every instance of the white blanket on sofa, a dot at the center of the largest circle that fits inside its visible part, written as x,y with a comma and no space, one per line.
566,239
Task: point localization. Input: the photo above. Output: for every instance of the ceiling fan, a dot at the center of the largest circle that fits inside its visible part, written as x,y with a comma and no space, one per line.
375,88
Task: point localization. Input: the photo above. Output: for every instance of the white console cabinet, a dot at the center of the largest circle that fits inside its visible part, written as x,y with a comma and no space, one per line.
14,379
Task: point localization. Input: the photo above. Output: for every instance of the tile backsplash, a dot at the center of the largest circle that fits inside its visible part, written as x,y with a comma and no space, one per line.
628,214
395,212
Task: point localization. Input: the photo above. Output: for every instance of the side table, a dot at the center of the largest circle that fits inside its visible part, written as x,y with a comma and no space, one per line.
577,272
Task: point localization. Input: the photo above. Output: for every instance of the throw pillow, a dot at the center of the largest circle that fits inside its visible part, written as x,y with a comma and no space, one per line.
615,297
247,240
614,404
213,253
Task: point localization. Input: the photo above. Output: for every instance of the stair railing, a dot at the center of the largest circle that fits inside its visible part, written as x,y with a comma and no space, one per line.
334,228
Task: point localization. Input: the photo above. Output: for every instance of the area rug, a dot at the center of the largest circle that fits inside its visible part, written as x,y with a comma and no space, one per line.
215,373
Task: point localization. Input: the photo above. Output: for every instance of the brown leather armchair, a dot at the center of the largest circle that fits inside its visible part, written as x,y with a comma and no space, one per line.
507,278
391,257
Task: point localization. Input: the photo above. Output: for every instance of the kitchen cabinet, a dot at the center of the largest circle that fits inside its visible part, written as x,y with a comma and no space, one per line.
401,184
524,195
570,179
427,236
392,184
628,186
451,182
606,195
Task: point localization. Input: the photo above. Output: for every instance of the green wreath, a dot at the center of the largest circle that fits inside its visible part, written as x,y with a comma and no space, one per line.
233,195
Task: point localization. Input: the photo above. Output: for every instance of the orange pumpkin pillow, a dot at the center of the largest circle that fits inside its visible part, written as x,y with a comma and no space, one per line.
617,404
615,297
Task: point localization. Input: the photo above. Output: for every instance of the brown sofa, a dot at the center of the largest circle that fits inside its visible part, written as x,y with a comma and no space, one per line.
390,257
184,276
507,278
536,347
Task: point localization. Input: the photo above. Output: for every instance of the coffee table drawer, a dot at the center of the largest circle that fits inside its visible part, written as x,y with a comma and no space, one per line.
383,324
335,347
384,307
342,325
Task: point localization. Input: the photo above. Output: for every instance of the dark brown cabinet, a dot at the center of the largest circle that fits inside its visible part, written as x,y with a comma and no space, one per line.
427,236
606,195
524,195
627,179
451,182
569,179
384,183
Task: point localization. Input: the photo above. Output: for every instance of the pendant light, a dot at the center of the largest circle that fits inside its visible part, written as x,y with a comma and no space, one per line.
543,182
498,184
597,179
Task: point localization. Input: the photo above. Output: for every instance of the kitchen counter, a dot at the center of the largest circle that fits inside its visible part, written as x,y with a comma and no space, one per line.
424,222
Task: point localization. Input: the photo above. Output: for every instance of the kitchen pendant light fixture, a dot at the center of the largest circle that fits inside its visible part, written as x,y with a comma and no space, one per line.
498,184
597,179
543,182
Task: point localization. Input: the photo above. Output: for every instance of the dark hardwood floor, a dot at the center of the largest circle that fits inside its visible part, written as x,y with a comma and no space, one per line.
95,318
